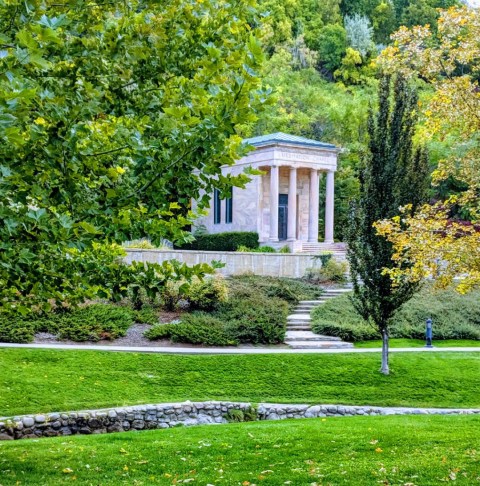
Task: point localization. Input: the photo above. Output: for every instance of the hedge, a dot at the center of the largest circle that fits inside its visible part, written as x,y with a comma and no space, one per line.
228,241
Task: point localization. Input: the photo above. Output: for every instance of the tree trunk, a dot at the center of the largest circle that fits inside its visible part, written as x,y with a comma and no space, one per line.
385,369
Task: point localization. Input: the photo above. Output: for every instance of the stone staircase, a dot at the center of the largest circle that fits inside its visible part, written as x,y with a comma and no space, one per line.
299,333
338,250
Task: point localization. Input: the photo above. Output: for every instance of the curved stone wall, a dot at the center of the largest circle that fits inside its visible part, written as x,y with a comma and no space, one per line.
167,415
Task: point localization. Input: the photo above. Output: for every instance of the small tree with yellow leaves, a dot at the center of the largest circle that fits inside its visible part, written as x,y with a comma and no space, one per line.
431,242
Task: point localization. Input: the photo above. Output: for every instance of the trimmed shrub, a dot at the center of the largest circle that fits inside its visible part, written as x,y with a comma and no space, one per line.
147,315
90,323
347,332
260,249
207,294
332,271
16,330
256,312
195,328
228,241
257,320
94,322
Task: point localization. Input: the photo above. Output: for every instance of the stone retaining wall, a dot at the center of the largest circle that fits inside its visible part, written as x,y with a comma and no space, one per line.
292,265
167,415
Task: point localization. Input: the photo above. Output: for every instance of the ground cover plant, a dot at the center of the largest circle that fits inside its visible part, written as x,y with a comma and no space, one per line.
255,311
89,323
454,316
351,450
420,343
214,311
34,380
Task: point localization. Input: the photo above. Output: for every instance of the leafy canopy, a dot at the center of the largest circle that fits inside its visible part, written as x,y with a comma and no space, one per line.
449,60
112,116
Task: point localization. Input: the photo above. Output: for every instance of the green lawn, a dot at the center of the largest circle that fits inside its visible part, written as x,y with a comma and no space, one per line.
34,380
417,450
417,343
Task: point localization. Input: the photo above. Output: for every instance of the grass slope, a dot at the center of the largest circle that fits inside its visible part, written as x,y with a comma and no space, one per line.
352,450
35,380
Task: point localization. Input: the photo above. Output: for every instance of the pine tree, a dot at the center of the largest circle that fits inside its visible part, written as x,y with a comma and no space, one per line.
394,175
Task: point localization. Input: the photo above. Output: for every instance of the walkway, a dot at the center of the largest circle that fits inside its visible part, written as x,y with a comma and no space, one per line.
238,350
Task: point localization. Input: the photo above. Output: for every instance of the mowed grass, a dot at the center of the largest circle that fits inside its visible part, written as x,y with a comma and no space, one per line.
420,450
418,343
33,380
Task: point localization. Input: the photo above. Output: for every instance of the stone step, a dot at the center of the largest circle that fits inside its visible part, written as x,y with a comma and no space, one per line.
318,344
308,336
299,327
312,302
299,317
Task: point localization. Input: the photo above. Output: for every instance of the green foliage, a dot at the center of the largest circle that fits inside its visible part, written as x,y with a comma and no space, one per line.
93,322
207,294
389,179
15,329
255,312
288,289
332,271
285,249
248,415
257,319
147,315
106,112
260,249
331,46
141,244
360,331
89,323
228,241
454,317
198,328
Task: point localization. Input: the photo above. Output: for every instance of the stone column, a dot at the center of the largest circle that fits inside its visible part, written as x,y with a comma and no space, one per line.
292,205
329,207
274,182
313,207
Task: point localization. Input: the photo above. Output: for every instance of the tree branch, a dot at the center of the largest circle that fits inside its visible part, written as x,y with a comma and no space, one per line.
106,152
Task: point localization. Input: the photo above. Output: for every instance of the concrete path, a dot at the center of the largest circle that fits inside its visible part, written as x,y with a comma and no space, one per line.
239,350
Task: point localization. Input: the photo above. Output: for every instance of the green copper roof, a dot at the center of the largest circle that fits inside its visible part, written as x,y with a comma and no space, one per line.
280,137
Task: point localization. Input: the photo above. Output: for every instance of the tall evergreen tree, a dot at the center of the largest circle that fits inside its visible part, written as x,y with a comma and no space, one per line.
394,175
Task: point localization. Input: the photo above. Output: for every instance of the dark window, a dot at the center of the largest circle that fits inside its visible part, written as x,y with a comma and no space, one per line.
217,214
229,207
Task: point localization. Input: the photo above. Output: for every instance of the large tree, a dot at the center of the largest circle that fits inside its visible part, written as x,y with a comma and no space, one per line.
112,116
394,174
443,239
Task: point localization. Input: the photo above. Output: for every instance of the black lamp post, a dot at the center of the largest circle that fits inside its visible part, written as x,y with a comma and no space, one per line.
428,333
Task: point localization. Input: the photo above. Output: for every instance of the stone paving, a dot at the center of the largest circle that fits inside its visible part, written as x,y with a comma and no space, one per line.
299,334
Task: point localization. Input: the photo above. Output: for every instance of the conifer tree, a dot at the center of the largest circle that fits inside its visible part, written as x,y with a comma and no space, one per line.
394,174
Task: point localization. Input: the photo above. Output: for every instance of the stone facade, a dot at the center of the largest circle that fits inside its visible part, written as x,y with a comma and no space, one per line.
282,205
163,416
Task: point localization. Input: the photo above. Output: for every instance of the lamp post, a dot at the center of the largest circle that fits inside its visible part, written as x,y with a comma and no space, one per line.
428,333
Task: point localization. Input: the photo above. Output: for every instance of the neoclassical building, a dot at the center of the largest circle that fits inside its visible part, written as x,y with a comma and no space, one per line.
282,205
